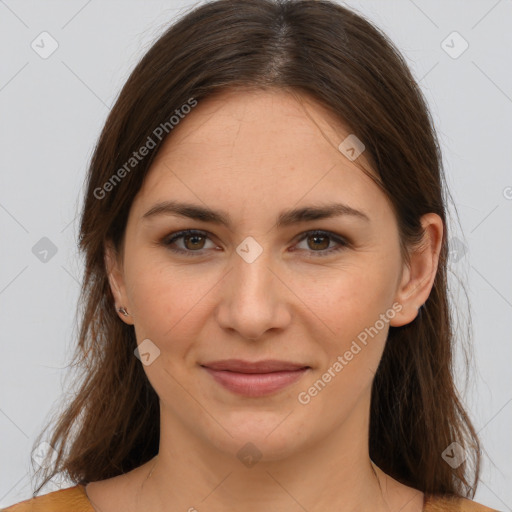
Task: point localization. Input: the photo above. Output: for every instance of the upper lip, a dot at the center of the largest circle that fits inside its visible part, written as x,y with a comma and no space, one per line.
266,366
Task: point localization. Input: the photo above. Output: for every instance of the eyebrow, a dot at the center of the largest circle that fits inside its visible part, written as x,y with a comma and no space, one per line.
285,218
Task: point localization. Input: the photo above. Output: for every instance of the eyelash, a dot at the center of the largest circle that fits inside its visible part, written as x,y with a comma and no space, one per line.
169,240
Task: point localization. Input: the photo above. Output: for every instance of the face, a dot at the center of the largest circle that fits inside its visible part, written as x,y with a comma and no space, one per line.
319,292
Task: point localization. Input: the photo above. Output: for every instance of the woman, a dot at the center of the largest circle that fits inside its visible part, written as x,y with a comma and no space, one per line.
266,319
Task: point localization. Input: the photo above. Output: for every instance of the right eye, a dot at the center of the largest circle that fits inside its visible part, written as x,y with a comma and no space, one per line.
192,239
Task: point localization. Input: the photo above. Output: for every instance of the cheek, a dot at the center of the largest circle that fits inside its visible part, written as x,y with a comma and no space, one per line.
349,299
158,299
169,302
357,311
353,305
153,299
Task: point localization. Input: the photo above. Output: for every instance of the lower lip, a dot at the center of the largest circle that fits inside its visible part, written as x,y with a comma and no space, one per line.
255,384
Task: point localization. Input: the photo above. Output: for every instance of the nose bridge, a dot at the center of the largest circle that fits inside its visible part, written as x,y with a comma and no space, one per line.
254,301
253,279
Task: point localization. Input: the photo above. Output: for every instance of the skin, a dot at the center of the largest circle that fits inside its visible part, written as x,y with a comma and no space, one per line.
254,154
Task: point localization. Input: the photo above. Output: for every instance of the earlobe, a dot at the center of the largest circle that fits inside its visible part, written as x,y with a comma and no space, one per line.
419,274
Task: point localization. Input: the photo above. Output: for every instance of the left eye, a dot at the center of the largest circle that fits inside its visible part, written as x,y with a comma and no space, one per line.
194,242
321,240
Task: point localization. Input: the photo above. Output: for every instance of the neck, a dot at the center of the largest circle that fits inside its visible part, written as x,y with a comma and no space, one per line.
270,486
335,474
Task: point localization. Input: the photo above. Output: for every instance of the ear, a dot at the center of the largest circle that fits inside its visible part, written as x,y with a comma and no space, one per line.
114,268
419,274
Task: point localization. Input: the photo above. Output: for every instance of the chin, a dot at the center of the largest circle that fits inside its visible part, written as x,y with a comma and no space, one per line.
266,438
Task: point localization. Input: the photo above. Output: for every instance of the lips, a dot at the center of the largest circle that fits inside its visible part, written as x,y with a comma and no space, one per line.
241,366
257,378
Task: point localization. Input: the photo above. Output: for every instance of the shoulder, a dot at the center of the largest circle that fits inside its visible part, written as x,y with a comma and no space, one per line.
64,500
445,503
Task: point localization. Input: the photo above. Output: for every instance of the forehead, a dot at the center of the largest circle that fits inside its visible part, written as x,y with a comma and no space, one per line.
262,147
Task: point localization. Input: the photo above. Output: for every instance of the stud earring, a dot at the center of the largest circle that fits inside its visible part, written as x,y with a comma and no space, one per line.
123,311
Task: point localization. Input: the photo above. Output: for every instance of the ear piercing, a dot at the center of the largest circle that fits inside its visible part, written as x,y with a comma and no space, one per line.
123,311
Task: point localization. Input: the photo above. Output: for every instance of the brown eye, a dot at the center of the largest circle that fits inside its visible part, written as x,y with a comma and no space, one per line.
320,242
189,243
192,242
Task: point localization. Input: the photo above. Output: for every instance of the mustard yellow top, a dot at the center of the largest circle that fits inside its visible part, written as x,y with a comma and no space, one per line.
74,499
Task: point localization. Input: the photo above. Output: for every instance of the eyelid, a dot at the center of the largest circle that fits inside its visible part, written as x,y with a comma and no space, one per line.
342,241
177,235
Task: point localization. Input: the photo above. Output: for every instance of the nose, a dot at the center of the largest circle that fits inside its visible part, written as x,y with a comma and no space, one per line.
254,298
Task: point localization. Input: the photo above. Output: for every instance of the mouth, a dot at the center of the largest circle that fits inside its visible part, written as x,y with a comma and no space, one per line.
254,379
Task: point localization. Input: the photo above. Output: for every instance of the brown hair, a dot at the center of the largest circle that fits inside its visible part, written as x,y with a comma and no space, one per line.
310,47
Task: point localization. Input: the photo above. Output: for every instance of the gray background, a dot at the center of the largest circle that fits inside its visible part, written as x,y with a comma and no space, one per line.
52,111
